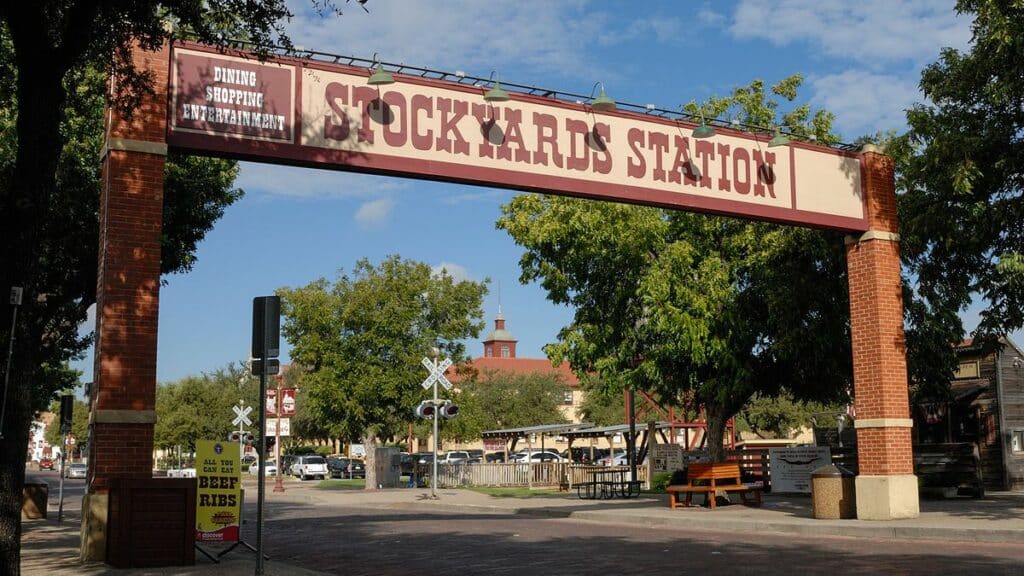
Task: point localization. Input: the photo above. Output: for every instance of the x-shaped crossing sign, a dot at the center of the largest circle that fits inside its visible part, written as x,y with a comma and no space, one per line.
437,371
242,415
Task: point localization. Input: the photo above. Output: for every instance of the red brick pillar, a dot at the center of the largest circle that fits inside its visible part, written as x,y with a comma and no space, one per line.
886,485
127,298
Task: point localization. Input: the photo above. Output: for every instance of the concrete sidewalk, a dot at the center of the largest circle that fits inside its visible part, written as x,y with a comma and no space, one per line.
49,547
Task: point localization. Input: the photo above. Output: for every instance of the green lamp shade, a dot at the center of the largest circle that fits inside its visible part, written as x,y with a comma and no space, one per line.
379,77
602,103
703,131
778,140
496,94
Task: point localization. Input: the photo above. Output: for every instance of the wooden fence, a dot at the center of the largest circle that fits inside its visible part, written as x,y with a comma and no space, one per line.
541,474
754,468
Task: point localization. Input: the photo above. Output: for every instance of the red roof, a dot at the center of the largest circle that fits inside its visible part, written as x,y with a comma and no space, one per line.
485,364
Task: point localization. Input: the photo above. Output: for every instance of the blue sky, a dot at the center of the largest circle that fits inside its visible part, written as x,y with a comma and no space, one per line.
861,61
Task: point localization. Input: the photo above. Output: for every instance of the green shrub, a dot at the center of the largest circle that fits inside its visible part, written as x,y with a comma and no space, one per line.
660,481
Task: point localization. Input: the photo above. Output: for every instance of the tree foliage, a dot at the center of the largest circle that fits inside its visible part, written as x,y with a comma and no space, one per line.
362,339
79,425
496,400
54,55
779,416
961,170
694,307
200,407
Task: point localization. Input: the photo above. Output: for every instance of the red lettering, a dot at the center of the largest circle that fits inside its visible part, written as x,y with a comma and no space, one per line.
723,154
488,127
364,95
765,173
418,104
741,158
547,133
579,156
600,136
682,165
450,124
514,135
706,151
334,93
658,142
635,139
394,127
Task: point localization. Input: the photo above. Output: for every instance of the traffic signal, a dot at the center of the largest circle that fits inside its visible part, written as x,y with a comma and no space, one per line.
426,410
236,436
449,409
67,408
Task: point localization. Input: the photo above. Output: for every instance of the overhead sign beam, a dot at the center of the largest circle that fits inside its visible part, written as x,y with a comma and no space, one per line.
320,114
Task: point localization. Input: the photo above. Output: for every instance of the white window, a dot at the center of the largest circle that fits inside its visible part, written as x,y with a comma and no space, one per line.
1017,441
504,351
567,398
488,351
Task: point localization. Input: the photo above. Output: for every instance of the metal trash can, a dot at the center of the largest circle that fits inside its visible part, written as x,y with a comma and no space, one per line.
33,500
833,493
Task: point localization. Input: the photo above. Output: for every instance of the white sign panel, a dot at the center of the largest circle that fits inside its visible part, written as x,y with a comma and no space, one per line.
666,458
286,427
792,467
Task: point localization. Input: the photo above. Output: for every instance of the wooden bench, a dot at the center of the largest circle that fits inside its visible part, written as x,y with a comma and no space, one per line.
709,479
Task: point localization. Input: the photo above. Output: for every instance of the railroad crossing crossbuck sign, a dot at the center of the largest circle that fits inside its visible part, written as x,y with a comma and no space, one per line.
437,370
242,415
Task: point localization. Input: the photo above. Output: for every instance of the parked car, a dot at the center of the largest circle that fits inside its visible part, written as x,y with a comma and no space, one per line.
539,457
75,470
583,455
454,456
494,457
45,463
269,469
340,467
620,459
306,467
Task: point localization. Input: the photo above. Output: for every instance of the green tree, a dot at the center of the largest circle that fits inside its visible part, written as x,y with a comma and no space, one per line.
961,174
779,416
692,306
496,400
46,47
363,338
79,425
602,407
200,407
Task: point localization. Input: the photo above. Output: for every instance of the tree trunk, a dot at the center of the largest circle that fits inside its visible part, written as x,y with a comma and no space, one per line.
370,445
714,415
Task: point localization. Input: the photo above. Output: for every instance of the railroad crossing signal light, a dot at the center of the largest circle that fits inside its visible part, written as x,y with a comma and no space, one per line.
449,409
237,436
426,410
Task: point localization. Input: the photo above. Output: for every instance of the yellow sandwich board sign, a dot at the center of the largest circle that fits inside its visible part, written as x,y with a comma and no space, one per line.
219,494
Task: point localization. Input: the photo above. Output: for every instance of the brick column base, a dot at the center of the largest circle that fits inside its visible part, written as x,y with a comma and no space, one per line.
887,497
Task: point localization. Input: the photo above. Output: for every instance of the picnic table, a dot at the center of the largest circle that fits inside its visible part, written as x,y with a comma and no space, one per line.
604,484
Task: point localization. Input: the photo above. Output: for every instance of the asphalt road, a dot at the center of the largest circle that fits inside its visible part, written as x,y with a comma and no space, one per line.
358,541
309,531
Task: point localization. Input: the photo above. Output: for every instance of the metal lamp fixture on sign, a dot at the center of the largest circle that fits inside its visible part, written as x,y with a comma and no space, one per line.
602,103
778,140
495,94
703,131
379,76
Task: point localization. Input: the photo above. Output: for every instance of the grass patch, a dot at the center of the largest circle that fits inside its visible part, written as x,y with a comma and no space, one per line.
340,484
514,492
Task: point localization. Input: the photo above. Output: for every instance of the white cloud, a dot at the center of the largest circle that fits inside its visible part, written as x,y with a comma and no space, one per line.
458,273
294,182
474,36
869,31
864,102
374,211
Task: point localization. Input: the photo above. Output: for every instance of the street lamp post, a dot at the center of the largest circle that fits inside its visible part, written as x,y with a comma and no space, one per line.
278,481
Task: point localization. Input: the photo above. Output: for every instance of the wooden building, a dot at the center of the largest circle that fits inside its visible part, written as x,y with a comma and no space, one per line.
986,409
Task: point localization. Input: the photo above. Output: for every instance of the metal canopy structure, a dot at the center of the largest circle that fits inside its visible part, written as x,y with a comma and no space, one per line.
604,431
513,433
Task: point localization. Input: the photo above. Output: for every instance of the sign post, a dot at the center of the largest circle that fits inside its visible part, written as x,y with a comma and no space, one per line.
266,346
436,370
